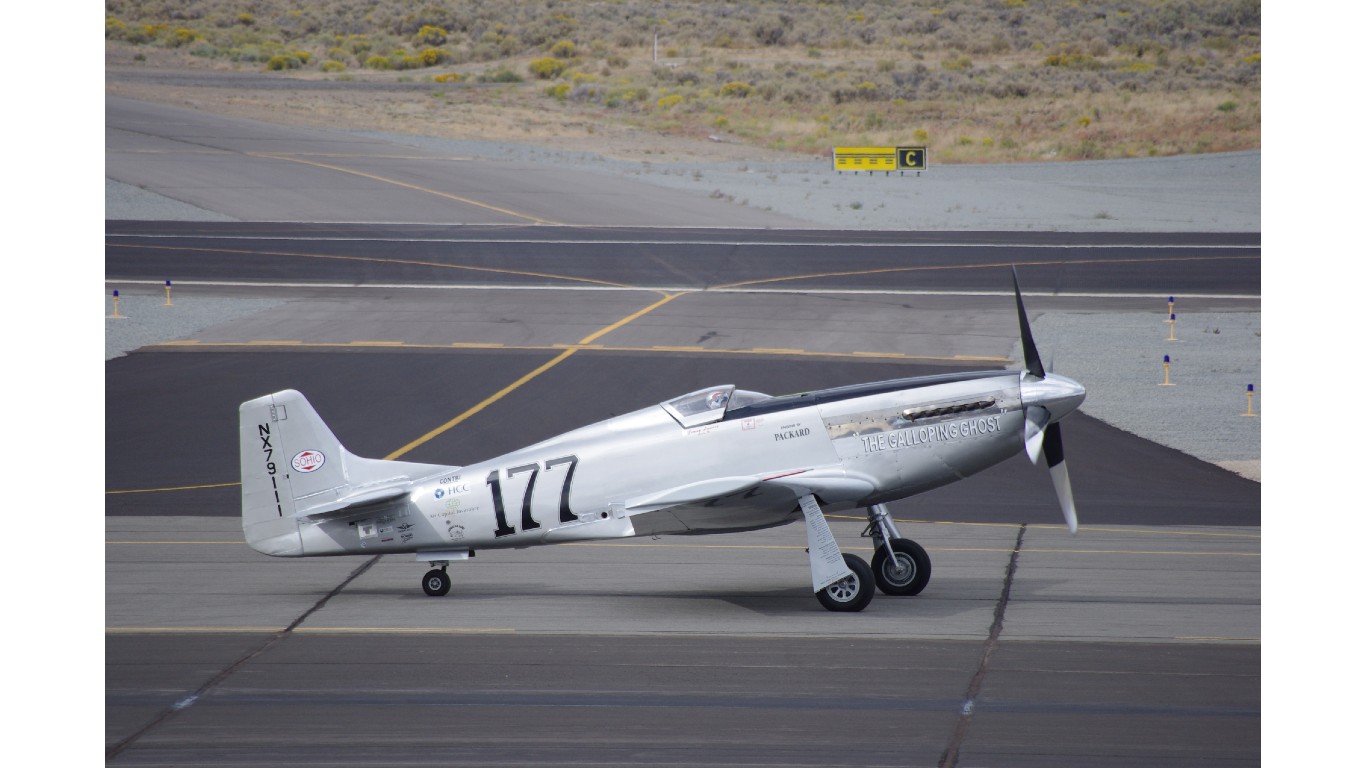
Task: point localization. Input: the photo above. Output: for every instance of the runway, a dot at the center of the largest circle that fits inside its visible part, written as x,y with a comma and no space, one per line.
1136,642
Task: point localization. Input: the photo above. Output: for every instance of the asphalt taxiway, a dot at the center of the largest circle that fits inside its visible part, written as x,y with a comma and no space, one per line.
1135,642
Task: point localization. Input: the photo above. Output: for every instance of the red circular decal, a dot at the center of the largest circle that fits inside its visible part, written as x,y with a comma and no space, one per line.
307,461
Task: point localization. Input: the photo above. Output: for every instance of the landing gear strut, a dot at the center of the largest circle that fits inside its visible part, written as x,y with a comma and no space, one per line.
900,566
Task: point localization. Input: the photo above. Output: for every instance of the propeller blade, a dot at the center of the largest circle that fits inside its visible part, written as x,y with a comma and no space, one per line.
1057,469
1031,352
1035,426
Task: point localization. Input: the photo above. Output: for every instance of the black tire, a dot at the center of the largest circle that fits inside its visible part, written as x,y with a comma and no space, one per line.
436,583
852,593
910,556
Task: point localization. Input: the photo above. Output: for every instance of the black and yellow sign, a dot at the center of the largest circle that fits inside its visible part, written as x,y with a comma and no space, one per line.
879,158
910,158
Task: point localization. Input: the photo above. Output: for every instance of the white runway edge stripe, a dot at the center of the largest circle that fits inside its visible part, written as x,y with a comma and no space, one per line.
672,289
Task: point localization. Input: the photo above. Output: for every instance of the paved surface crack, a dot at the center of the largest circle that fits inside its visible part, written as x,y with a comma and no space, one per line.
965,714
213,682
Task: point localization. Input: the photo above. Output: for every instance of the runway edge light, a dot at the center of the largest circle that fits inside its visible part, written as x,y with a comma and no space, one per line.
1172,323
168,295
1249,401
116,315
1166,372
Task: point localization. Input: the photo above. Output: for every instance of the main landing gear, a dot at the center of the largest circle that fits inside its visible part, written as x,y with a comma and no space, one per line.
436,583
900,566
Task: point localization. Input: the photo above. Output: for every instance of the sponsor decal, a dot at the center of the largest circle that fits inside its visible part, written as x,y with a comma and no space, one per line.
386,540
405,526
440,492
448,479
455,531
791,434
936,433
308,461
406,537
751,422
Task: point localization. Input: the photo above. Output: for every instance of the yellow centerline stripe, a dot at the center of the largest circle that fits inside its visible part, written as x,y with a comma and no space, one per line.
990,265
1049,526
309,630
900,356
176,488
856,548
486,402
500,394
373,259
404,184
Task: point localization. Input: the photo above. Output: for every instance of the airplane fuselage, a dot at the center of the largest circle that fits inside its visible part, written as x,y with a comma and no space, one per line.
652,472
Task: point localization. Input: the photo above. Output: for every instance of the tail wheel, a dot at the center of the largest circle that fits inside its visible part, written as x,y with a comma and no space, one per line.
907,574
851,593
436,583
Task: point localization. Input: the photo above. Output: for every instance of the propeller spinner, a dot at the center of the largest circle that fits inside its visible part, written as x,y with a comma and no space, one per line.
1047,398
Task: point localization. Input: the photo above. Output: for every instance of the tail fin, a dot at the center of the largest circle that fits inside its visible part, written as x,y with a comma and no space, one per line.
294,469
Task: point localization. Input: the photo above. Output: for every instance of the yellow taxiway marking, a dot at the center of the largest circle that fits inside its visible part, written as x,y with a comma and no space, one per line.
377,260
500,394
311,630
175,488
1054,527
171,541
984,265
899,356
404,184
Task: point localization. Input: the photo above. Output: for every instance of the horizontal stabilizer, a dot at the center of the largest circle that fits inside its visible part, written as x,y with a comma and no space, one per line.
359,503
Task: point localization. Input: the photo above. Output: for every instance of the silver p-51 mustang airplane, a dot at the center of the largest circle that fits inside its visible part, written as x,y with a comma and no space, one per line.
717,460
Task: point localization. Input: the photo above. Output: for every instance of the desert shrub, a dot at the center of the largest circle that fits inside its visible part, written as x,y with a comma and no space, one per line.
430,35
736,89
448,77
617,61
281,62
501,76
672,100
559,91
771,30
433,56
564,49
332,65
546,69
957,63
303,56
246,19
114,29
378,62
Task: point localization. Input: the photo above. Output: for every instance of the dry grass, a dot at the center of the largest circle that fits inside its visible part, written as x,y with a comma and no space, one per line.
1146,77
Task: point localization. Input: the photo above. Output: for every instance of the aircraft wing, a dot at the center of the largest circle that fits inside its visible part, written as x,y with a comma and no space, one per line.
744,502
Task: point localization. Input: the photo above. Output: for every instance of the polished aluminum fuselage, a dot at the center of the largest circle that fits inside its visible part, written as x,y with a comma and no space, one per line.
648,473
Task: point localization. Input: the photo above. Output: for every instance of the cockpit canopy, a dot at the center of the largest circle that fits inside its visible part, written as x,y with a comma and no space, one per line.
707,405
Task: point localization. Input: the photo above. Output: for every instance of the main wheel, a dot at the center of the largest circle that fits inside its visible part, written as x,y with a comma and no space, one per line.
853,592
907,574
436,583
